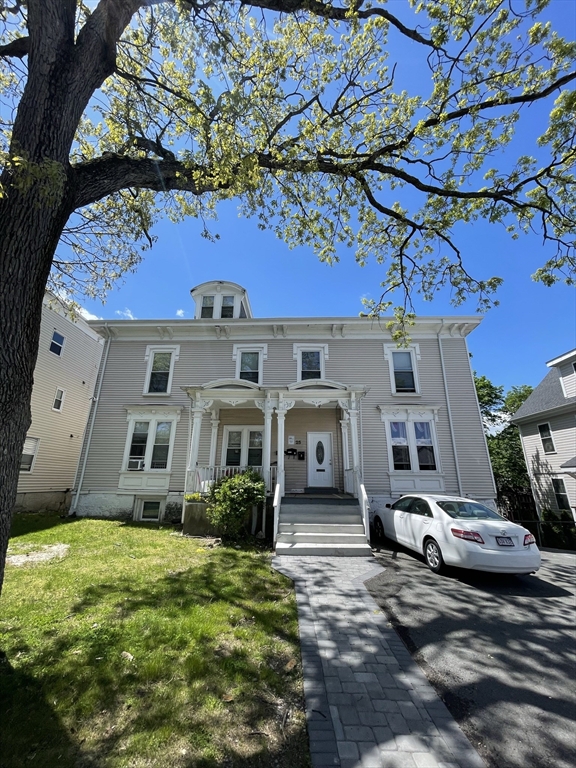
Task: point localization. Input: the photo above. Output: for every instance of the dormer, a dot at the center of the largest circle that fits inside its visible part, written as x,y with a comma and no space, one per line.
566,366
220,300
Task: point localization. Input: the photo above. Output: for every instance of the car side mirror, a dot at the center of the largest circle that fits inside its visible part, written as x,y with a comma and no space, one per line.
388,506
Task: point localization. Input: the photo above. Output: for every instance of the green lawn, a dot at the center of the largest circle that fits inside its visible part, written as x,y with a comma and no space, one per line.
143,648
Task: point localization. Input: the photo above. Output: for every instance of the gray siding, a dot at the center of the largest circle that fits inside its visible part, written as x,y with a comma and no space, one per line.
60,433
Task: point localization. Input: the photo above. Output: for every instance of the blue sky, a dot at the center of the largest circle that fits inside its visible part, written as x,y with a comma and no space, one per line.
532,324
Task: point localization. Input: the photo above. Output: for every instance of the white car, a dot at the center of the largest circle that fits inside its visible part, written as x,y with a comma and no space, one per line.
456,531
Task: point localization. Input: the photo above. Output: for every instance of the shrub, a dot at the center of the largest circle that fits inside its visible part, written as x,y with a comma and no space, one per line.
194,497
231,500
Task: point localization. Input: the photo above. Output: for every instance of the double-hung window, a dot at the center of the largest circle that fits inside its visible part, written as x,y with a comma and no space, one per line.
150,440
29,453
411,438
546,437
58,400
227,310
562,500
242,446
160,369
403,369
249,361
310,360
207,310
57,343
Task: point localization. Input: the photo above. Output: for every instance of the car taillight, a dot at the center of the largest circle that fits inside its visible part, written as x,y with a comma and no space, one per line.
467,535
529,539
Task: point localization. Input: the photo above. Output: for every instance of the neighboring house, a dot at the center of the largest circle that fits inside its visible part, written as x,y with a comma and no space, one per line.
69,355
547,424
316,404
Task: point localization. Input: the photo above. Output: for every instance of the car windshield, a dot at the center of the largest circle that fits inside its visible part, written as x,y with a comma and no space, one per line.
468,510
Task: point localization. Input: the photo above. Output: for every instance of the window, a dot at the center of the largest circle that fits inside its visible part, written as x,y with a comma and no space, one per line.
242,446
29,453
311,358
160,369
150,439
421,507
546,437
58,400
207,306
57,343
227,307
149,510
562,500
403,503
403,369
249,361
411,437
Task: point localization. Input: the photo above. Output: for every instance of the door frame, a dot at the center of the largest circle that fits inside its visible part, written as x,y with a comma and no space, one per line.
311,438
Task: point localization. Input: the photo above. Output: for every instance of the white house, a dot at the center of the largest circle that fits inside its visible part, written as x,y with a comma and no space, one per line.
319,405
66,369
547,424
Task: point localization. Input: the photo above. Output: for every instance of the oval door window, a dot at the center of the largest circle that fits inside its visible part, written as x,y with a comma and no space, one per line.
320,452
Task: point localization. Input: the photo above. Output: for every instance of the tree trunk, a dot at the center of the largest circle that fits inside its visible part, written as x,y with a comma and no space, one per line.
30,224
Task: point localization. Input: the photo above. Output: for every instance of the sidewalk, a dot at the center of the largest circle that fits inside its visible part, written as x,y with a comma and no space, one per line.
368,705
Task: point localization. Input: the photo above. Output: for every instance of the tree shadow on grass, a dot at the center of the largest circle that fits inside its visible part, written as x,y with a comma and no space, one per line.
193,694
24,523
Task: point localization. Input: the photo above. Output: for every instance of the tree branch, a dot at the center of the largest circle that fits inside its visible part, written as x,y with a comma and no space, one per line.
17,48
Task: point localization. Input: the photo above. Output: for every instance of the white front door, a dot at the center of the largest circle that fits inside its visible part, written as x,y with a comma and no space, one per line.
320,460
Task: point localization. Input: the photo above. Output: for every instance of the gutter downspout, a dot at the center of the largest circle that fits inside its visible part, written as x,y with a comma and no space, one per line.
458,478
92,420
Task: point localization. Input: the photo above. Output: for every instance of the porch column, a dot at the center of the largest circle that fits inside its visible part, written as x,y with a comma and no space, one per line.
214,421
350,407
344,424
267,409
283,407
197,413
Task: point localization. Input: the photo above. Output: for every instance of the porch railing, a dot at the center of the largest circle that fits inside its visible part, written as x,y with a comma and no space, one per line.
349,481
201,479
364,504
277,503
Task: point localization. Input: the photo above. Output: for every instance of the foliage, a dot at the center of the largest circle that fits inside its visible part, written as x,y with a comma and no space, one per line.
191,497
142,648
231,500
503,438
305,112
558,529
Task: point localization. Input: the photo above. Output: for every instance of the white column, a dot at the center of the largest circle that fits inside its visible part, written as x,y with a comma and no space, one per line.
214,421
353,413
267,446
344,424
283,407
197,413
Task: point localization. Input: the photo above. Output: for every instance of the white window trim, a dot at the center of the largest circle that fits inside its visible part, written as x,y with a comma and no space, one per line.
55,330
562,493
245,429
151,349
59,410
297,350
139,507
262,350
34,456
546,424
217,308
152,415
414,350
411,415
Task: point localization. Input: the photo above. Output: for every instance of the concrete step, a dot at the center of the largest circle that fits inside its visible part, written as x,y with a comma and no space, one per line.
324,509
323,550
312,518
334,537
323,527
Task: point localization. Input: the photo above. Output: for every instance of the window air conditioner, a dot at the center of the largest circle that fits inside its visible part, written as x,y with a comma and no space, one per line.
135,465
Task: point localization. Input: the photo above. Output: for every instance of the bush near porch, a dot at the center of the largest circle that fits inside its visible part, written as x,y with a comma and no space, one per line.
140,647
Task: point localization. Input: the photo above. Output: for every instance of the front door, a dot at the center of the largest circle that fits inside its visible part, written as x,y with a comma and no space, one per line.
320,460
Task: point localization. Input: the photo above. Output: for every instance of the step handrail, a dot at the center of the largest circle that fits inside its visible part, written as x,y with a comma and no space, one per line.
364,505
277,504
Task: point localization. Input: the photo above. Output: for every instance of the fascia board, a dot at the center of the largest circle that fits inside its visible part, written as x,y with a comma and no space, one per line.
562,359
569,407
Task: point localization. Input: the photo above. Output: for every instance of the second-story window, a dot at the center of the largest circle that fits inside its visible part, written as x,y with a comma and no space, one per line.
249,361
58,400
403,369
227,307
311,359
207,306
546,437
160,369
57,343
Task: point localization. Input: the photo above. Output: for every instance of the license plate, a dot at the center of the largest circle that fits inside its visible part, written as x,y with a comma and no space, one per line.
504,541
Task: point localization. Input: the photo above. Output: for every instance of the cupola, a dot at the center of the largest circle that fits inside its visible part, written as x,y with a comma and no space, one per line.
220,300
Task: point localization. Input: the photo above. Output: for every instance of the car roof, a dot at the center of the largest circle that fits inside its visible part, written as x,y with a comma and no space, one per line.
437,497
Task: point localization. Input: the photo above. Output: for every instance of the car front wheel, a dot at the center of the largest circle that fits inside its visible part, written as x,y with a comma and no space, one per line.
379,529
433,555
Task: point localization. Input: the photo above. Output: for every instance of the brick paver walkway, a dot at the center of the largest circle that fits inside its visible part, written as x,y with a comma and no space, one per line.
368,705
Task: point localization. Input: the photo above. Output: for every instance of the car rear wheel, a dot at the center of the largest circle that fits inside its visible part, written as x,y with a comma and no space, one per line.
433,555
379,529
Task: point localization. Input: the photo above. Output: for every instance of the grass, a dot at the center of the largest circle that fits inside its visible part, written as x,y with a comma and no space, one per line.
144,648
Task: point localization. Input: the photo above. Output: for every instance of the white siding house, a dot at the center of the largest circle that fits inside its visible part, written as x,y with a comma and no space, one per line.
66,369
315,404
547,424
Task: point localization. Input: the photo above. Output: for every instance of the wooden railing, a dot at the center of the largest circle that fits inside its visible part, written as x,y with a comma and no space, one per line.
201,479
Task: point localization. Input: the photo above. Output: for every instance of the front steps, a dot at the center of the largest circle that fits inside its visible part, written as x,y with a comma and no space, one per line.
322,528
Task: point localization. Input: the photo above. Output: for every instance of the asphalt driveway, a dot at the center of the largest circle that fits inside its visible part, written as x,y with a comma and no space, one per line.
500,651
